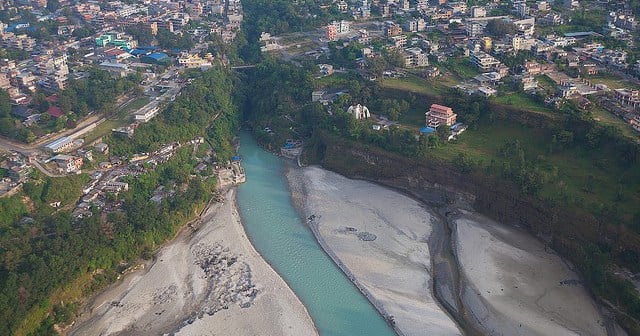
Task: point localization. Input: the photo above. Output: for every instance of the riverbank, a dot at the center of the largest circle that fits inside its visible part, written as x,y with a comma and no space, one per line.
209,281
514,285
509,283
380,240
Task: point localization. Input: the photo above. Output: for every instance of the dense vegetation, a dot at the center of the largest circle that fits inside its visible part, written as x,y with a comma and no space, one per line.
98,92
209,97
48,260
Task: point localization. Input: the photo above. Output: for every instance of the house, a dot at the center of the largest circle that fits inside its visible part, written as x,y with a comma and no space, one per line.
431,72
627,97
156,58
359,111
102,148
55,112
484,61
67,163
486,91
528,83
635,123
438,115
415,57
60,145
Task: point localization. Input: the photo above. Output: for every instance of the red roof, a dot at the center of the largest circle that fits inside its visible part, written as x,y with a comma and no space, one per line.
53,99
114,52
55,112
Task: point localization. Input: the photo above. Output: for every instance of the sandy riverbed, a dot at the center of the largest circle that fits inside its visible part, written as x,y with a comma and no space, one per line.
514,286
212,282
395,267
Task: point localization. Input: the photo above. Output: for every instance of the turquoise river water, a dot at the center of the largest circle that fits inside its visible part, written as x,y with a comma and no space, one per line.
277,232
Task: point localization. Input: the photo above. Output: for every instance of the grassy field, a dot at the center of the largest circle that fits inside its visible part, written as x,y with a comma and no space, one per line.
121,118
521,101
412,83
575,168
606,118
462,68
612,82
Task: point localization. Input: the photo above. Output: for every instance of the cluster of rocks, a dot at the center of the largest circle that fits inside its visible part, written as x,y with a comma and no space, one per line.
165,295
364,235
229,280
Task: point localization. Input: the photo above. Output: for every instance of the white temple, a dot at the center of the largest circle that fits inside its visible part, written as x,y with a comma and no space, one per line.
359,111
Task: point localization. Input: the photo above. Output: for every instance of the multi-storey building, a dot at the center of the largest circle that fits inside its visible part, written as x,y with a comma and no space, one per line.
440,115
478,11
392,29
484,61
415,58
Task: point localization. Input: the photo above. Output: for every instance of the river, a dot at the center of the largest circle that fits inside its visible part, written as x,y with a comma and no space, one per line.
278,233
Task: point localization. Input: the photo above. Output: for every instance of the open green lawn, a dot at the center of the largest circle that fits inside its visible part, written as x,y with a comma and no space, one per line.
462,68
575,167
606,118
133,106
412,83
612,82
521,101
546,83
121,118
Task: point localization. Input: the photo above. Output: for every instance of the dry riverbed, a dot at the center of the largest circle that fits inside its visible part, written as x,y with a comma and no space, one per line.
211,282
509,283
378,237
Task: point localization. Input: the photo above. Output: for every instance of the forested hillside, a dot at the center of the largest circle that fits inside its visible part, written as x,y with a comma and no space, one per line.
49,260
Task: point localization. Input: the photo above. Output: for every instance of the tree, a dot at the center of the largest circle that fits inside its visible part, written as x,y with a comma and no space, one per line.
5,104
499,28
443,131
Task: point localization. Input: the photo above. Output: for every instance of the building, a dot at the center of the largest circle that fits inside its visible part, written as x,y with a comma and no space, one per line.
399,41
439,115
67,163
60,145
474,29
521,8
392,29
359,111
336,28
115,69
416,25
486,43
414,58
484,61
146,114
478,12
522,43
190,61
628,97
529,83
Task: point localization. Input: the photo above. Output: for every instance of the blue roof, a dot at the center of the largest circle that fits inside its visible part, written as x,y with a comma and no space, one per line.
158,56
58,143
427,130
138,52
235,158
579,34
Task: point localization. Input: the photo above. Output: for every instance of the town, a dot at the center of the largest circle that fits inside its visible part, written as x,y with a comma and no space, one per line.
49,47
126,124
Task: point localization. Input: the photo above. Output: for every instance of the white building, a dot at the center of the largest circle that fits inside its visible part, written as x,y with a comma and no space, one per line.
359,111
478,11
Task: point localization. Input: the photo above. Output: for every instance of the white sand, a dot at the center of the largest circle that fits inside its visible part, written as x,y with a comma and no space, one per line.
176,294
395,268
514,283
